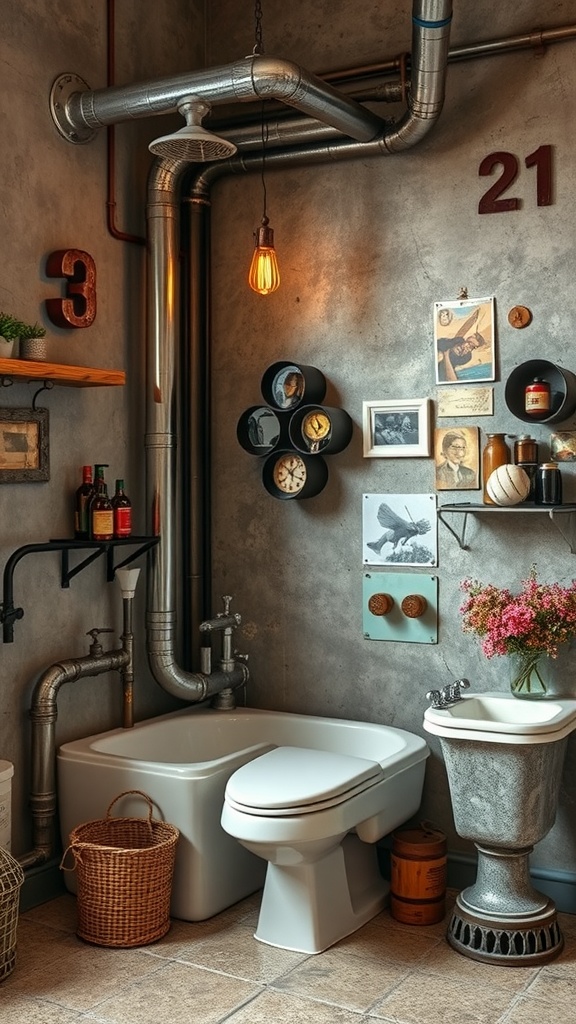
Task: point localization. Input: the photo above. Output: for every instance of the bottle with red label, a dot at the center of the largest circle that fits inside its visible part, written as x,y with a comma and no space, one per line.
101,513
122,508
537,398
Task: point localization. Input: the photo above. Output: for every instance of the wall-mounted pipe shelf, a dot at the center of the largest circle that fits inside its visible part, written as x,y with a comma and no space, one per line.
559,514
9,614
60,373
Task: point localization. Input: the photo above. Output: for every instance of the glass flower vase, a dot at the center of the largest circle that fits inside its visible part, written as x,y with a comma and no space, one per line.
537,676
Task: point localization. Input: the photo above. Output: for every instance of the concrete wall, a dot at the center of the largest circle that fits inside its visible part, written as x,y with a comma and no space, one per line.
365,247
54,197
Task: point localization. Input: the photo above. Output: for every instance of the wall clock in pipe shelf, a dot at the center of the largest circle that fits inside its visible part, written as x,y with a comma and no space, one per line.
291,474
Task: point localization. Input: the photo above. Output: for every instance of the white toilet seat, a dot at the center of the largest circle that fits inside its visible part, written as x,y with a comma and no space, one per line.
289,781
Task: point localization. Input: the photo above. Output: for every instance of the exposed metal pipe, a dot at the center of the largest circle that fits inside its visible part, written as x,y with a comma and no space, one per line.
308,145
77,113
44,713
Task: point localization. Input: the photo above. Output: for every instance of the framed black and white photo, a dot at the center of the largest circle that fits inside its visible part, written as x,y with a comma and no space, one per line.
24,455
396,429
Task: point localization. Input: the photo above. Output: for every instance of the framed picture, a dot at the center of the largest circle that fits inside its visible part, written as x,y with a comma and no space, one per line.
399,528
24,452
464,341
396,429
457,458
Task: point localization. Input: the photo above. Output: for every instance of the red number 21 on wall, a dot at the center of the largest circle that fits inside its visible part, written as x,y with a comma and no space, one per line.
541,159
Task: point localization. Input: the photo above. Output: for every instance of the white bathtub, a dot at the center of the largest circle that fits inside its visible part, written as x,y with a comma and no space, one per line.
183,761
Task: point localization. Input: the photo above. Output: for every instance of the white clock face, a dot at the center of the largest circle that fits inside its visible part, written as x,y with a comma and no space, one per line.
289,474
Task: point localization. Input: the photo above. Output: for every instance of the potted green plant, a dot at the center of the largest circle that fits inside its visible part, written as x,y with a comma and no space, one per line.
14,331
32,341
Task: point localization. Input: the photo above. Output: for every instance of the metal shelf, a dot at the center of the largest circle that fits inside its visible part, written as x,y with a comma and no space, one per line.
9,614
559,514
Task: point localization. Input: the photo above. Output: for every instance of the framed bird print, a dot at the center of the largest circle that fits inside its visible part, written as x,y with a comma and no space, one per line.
399,529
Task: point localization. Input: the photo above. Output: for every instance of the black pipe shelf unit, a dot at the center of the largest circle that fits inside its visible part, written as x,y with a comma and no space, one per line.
557,513
96,548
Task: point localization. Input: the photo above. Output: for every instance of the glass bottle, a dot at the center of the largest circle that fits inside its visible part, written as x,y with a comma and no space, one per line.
101,512
122,508
496,453
537,398
83,497
548,485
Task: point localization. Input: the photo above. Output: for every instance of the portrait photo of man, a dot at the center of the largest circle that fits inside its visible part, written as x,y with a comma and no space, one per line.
457,457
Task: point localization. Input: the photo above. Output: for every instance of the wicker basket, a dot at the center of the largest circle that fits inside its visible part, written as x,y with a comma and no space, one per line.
124,868
11,879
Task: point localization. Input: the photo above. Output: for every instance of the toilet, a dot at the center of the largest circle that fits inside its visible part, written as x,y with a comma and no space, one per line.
315,816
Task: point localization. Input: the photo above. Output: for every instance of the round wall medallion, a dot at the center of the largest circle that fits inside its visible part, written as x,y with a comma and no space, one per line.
519,316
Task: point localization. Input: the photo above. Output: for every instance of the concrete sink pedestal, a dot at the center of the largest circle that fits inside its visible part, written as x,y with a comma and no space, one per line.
504,759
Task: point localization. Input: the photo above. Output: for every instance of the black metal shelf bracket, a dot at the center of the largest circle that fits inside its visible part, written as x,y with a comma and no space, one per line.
563,517
9,614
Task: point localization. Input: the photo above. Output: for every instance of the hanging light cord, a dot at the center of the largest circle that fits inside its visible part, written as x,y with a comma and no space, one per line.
264,132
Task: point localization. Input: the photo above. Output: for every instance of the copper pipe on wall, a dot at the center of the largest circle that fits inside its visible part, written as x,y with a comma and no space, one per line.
122,236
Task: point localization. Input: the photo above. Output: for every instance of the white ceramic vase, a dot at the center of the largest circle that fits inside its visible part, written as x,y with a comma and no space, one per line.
8,348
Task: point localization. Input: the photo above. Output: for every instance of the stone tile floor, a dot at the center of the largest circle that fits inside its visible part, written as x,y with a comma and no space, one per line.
215,971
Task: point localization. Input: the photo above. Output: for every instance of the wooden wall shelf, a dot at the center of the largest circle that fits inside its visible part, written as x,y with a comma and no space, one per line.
61,373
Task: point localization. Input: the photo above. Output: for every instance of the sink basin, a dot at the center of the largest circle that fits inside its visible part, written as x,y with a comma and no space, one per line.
503,718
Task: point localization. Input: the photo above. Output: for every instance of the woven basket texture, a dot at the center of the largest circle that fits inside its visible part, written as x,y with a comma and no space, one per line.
11,879
124,869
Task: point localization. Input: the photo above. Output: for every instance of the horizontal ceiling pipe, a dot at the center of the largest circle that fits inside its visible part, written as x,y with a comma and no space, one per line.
254,77
535,40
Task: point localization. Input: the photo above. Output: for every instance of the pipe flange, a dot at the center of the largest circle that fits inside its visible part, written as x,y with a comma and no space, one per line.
62,89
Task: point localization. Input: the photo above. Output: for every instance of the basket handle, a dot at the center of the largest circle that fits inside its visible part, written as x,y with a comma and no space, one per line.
135,792
69,849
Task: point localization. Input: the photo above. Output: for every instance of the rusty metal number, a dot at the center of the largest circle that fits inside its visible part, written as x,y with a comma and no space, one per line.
78,309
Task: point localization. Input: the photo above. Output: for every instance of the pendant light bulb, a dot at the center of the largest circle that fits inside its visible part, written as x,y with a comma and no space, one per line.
264,275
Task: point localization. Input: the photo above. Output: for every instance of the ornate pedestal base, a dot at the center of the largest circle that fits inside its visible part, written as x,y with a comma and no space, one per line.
502,919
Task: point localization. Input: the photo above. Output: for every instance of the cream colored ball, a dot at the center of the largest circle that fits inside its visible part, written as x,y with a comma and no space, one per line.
508,485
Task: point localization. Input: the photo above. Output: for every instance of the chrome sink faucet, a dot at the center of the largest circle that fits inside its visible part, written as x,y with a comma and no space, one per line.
448,695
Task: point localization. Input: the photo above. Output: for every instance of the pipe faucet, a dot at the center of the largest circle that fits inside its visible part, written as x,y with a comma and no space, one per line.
224,622
448,695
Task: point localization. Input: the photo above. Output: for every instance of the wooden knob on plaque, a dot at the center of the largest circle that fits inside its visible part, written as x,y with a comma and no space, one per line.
414,606
380,604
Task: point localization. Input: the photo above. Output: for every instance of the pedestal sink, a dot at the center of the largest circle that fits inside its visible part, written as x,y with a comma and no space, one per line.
504,760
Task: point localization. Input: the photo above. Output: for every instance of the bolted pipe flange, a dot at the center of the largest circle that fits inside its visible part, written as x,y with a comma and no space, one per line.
62,89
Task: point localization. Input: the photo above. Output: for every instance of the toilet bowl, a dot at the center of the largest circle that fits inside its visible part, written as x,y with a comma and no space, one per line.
315,816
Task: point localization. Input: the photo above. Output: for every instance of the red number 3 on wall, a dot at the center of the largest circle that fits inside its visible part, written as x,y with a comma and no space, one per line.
78,309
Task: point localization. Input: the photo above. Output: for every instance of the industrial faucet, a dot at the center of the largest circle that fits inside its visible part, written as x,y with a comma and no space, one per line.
225,623
448,695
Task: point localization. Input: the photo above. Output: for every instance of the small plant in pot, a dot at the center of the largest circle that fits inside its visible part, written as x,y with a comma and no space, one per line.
30,337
